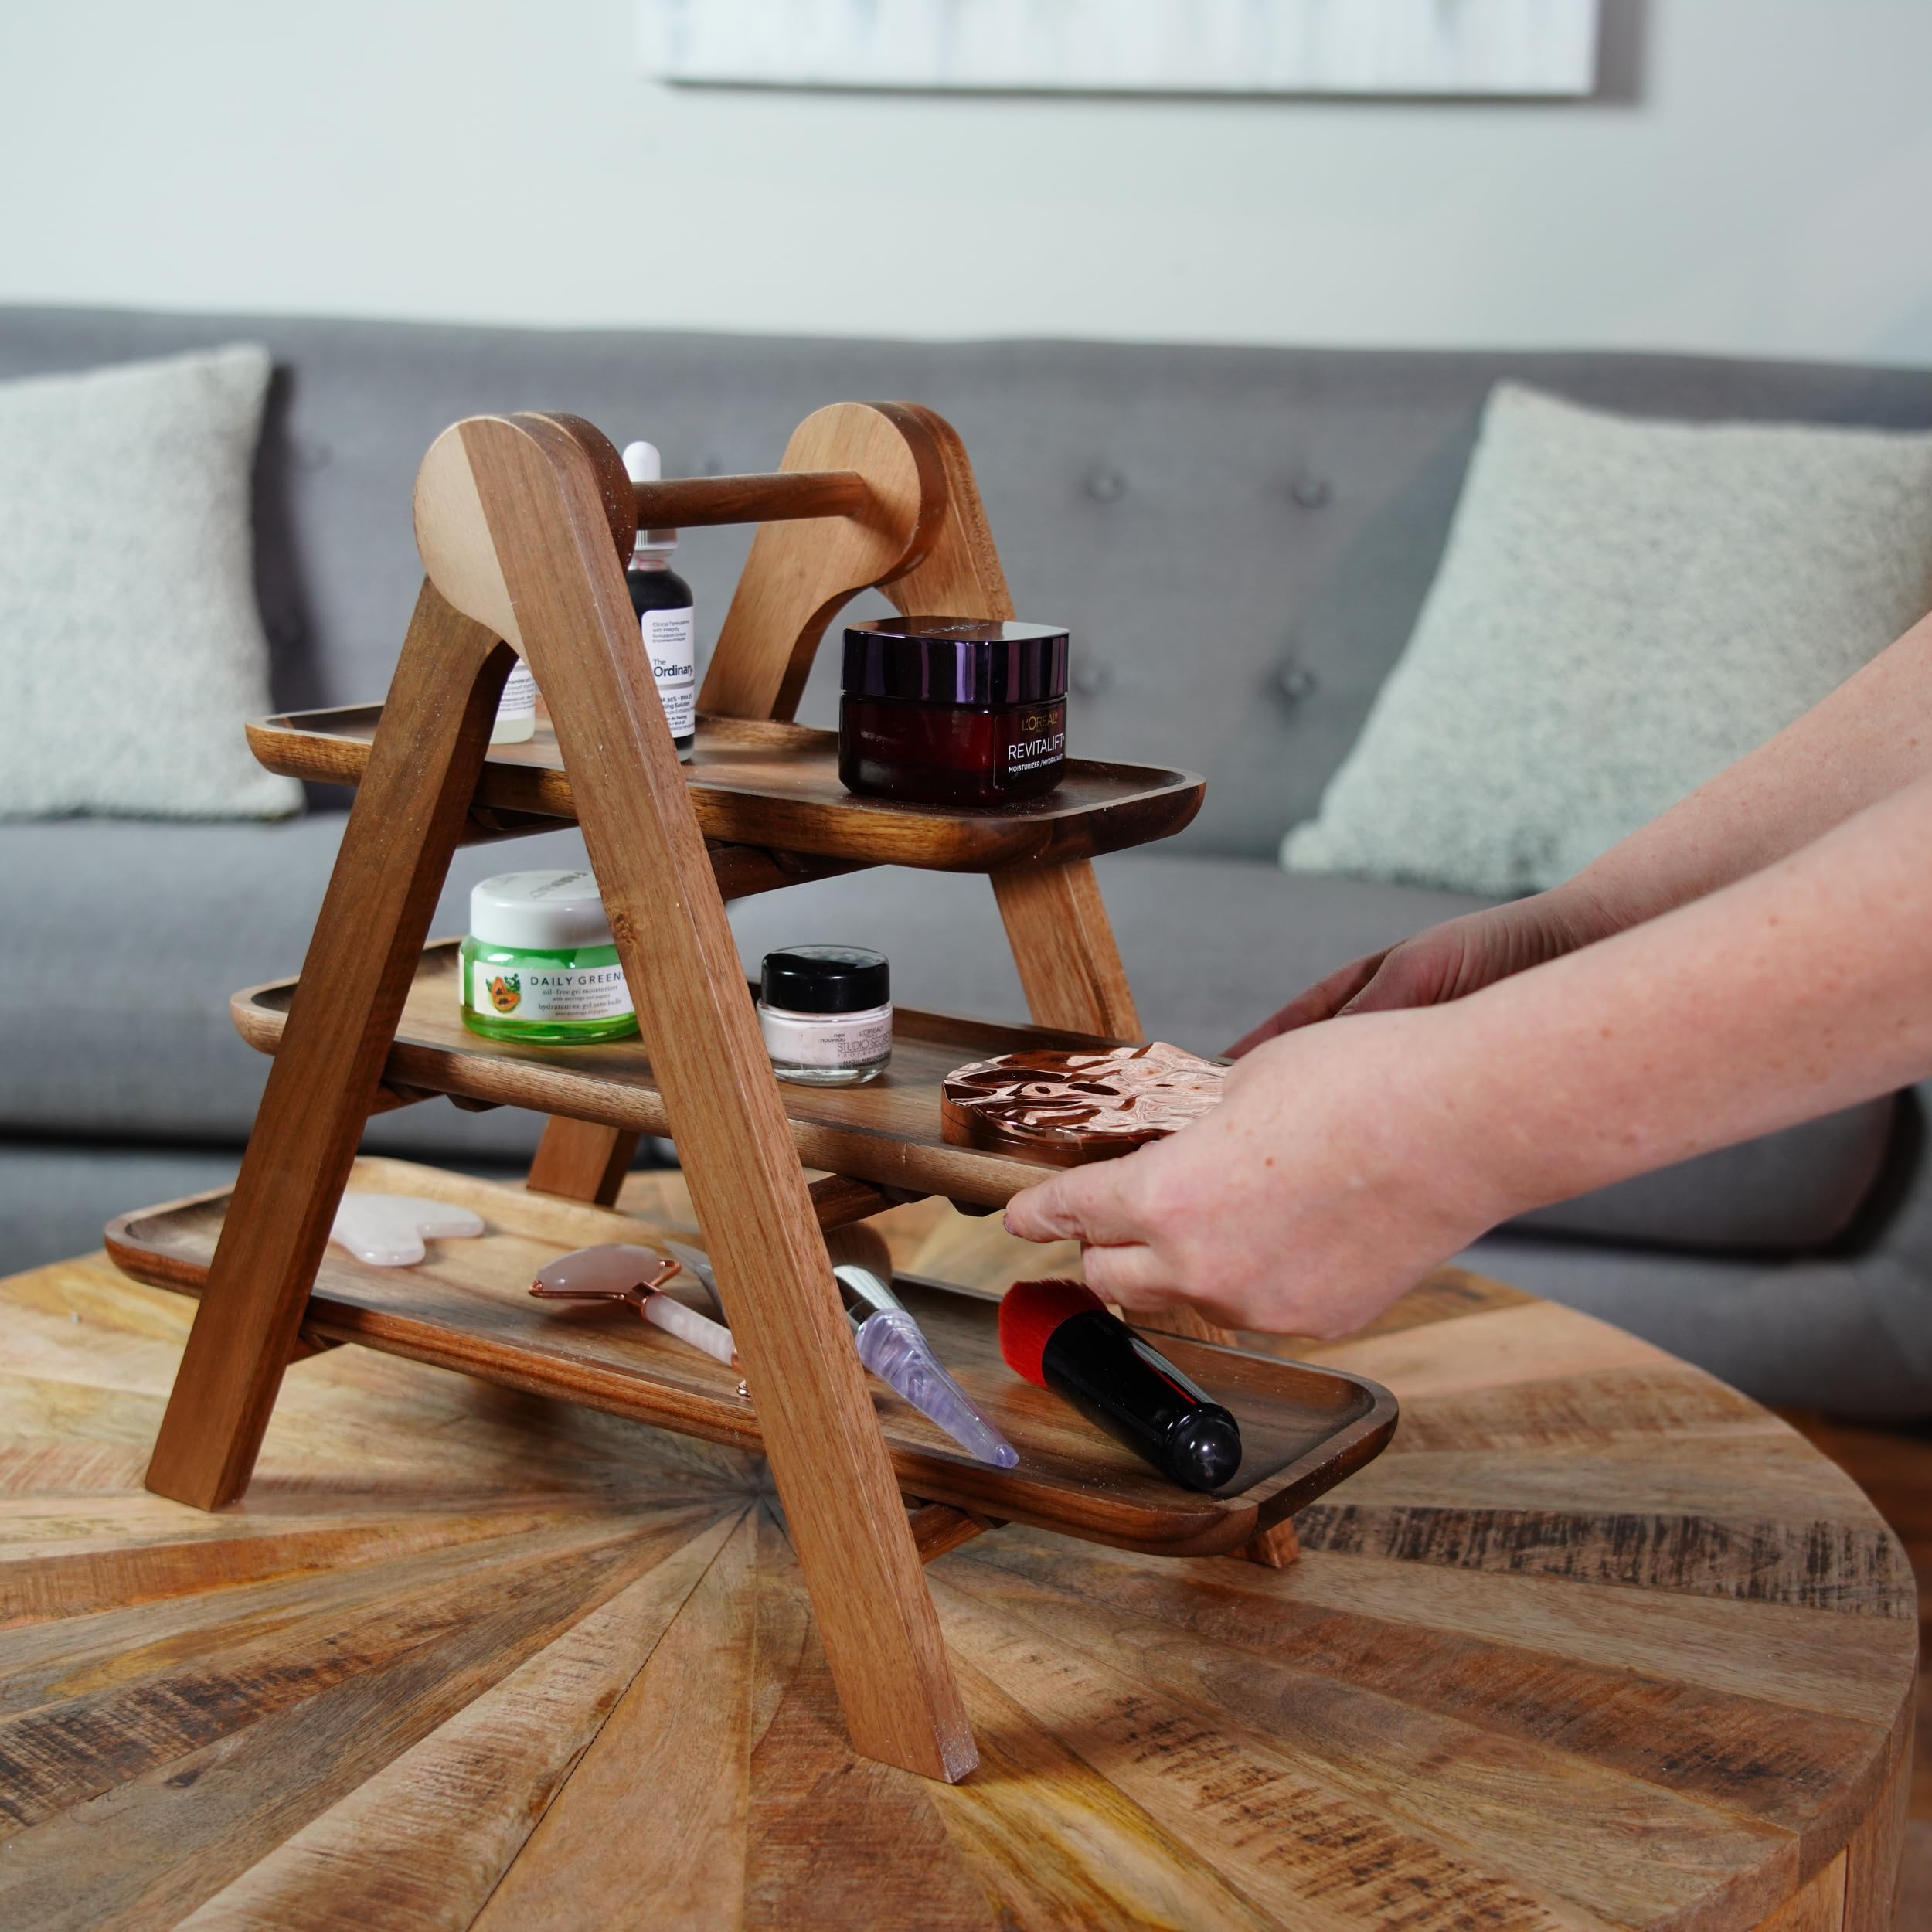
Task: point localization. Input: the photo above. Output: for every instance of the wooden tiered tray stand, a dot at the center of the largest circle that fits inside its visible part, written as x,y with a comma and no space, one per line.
523,522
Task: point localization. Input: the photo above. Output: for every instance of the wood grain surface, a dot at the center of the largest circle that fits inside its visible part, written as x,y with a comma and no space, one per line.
777,785
1597,1643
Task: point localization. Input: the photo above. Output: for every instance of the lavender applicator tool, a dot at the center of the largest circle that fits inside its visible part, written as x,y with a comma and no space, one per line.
891,1345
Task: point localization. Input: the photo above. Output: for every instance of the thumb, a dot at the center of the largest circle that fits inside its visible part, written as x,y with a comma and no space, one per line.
1422,971
1323,1000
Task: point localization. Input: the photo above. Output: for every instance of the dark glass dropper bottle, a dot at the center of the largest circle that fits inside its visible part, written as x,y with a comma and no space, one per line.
666,620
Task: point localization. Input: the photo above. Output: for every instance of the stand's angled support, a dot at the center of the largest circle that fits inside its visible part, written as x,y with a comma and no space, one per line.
937,1527
1063,944
322,1086
582,1161
510,519
799,574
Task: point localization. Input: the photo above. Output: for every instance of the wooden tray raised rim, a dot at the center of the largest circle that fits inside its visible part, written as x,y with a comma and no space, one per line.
797,804
651,1379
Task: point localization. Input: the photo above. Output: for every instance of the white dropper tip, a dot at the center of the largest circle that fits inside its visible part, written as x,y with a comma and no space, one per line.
643,464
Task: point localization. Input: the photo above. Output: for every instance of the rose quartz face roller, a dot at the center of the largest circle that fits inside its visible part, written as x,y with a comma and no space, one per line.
622,1271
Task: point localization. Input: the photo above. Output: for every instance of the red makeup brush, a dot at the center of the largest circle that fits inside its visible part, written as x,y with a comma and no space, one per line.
1029,1315
1058,1334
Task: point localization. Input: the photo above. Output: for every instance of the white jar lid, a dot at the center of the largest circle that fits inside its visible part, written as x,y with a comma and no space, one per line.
551,912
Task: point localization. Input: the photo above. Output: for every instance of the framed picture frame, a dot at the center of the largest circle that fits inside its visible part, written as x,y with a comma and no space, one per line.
1533,48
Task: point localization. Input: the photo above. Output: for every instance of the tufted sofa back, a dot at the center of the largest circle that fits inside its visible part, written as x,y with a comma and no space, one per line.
1239,538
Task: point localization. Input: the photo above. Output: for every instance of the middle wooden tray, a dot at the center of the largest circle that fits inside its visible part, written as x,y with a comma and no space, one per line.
888,1131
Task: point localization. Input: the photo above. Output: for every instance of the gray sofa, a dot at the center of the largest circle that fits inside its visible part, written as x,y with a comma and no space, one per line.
1239,538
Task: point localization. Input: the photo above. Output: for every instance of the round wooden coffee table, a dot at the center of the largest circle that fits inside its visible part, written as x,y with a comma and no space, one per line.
1597,1642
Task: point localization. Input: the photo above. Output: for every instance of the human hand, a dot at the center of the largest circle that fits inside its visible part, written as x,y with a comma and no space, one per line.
1335,1173
1444,962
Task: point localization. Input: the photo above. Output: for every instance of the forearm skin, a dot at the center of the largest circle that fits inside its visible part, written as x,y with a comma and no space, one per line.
1804,987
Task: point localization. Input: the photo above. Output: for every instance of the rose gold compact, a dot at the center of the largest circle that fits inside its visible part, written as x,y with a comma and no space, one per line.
1065,1108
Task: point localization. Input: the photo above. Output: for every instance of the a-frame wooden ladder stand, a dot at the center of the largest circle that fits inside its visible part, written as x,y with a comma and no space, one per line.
523,523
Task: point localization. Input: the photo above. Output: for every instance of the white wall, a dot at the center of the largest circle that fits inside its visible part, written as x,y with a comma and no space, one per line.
1768,190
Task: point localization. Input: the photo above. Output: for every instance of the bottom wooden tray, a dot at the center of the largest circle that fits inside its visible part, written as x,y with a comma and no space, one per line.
466,1307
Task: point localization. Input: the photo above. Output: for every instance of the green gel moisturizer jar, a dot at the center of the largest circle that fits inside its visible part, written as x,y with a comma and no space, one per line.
540,964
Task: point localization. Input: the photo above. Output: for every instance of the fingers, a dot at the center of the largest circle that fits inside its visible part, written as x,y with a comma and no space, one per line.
1131,1274
1086,1204
1322,1000
1144,1283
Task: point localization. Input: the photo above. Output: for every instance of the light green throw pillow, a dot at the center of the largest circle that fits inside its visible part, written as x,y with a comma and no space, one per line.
132,650
1623,608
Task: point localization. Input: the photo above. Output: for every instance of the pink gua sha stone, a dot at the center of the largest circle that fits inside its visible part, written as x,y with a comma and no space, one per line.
387,1230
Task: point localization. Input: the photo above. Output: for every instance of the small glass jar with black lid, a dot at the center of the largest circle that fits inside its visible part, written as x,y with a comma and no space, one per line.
953,711
825,1013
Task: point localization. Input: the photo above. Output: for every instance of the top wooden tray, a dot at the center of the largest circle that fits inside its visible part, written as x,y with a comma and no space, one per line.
776,786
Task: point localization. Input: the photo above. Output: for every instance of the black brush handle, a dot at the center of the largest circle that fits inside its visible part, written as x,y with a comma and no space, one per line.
1121,1385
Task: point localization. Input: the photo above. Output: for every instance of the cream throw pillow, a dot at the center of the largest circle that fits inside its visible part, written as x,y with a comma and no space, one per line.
1623,608
132,650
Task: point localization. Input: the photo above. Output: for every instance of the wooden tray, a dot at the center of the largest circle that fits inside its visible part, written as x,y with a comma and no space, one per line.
776,786
468,1307
888,1131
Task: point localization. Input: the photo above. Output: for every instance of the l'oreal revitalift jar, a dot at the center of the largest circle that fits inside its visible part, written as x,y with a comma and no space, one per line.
953,711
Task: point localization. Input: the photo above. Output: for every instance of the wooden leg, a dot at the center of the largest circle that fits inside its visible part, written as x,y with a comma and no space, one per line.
1877,1848
510,518
937,1527
1063,944
1273,1549
408,815
838,1200
582,1161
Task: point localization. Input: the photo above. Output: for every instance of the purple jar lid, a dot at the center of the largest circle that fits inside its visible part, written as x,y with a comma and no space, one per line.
956,661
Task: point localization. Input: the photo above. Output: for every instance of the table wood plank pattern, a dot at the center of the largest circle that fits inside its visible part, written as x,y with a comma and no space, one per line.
1596,1643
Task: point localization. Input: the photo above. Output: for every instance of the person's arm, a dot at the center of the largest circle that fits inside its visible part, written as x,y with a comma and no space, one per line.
1347,1160
1870,736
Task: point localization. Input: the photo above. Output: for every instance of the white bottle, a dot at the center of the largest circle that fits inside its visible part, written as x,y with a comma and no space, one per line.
516,709
666,620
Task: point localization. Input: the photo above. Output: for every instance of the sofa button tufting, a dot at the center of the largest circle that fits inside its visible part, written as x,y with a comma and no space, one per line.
1294,681
1310,491
1105,485
1088,679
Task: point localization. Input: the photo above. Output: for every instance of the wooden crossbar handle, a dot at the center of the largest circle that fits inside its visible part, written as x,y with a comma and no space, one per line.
688,502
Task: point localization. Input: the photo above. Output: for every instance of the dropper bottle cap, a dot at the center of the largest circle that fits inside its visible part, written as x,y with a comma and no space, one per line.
643,464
